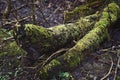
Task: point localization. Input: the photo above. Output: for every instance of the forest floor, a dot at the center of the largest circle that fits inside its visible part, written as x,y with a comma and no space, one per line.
101,64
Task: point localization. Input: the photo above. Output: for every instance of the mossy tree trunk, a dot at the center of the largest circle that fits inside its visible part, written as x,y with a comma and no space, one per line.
38,40
98,34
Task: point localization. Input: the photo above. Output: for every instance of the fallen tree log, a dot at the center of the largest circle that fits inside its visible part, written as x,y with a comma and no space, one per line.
38,41
83,10
72,57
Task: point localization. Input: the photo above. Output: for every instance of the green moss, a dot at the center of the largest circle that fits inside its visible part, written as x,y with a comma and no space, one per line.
4,34
113,8
90,41
72,58
36,31
36,35
46,69
11,49
77,12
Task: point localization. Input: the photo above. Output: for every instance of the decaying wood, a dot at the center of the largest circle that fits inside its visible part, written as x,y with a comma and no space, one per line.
73,56
83,10
38,40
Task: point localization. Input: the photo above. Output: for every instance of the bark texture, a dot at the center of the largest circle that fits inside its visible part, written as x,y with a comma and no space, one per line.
98,34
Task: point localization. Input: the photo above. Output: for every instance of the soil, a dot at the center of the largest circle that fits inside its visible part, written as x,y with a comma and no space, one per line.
48,13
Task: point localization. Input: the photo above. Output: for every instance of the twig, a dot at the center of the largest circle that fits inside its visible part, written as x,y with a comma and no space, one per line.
7,10
15,21
110,49
18,8
104,77
38,67
22,6
9,38
118,62
54,11
44,16
54,55
75,1
33,11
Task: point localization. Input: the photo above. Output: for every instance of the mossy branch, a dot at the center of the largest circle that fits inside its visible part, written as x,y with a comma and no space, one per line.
83,10
98,34
38,40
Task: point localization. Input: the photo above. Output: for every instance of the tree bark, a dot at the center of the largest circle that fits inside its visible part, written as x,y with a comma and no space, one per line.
90,41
